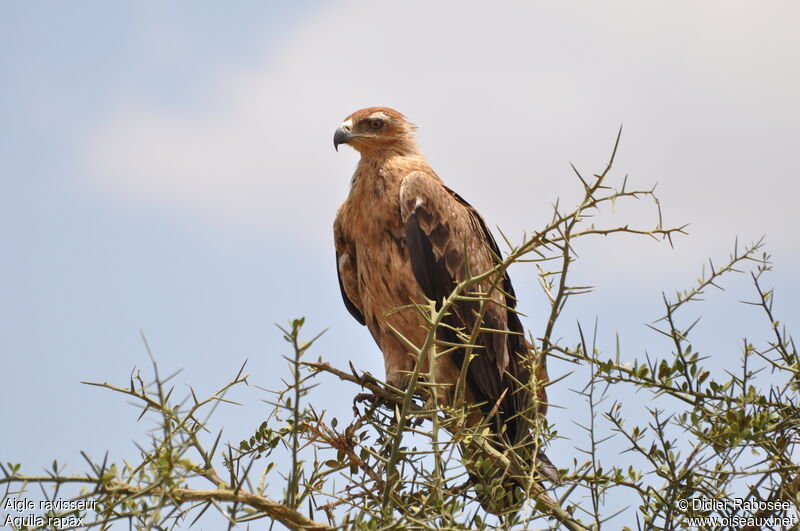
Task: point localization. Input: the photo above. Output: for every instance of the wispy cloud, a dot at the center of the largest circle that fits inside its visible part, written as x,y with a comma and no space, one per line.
707,95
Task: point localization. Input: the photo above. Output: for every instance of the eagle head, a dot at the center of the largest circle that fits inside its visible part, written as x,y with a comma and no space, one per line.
376,129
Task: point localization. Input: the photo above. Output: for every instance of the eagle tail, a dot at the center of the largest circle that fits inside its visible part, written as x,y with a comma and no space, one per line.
498,491
547,469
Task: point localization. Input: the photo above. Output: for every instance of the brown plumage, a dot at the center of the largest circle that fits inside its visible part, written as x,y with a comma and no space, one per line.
403,236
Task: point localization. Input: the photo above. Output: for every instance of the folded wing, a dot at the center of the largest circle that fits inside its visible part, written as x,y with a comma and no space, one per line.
448,242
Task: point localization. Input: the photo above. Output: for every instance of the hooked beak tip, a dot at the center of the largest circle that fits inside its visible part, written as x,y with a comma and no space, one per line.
341,136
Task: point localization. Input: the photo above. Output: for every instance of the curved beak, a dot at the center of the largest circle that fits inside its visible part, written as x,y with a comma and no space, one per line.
341,136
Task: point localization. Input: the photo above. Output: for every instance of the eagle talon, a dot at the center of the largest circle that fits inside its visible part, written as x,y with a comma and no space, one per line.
365,397
374,400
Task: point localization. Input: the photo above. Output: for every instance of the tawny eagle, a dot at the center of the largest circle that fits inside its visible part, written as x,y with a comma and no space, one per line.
402,236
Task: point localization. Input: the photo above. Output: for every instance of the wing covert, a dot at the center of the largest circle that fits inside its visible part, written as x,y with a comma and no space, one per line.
445,235
346,271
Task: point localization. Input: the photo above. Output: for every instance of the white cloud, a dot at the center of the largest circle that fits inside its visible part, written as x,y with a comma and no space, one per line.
504,98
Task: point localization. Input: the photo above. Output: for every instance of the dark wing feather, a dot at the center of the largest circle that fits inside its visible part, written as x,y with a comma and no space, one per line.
431,274
517,342
346,267
489,239
443,231
354,311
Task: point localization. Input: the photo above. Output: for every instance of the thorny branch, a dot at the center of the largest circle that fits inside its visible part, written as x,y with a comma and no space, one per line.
729,432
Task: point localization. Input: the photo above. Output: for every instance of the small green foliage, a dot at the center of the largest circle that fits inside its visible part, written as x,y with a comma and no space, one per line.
401,461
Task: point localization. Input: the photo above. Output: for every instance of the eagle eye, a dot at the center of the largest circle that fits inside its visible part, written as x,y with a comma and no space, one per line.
376,124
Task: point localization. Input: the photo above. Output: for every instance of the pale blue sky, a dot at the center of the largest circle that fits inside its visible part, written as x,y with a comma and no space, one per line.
170,168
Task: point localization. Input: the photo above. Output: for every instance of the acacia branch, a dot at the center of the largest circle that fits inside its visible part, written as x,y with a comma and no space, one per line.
543,501
278,511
